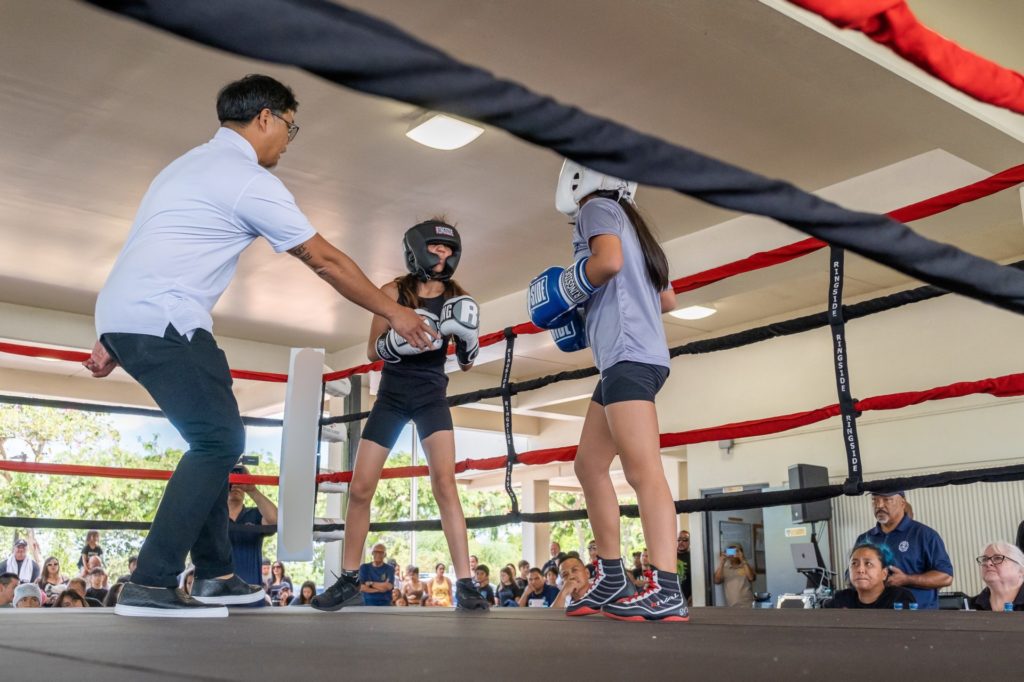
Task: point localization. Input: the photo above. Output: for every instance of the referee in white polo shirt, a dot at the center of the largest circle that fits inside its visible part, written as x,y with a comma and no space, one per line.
153,318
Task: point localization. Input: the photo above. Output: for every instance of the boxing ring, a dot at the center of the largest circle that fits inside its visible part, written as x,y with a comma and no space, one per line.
365,643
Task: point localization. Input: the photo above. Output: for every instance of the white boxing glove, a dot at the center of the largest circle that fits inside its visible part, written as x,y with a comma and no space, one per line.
392,348
460,318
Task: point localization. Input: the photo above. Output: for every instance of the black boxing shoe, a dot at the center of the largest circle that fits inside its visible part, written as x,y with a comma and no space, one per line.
163,602
468,598
344,592
231,591
660,601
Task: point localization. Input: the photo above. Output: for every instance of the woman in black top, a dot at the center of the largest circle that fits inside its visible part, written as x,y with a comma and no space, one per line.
1002,569
413,388
869,567
508,591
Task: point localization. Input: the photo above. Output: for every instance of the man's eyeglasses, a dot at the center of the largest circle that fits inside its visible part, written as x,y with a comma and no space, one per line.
293,129
995,559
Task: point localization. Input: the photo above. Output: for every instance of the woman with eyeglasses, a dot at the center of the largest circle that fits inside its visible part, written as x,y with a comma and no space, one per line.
51,582
1002,569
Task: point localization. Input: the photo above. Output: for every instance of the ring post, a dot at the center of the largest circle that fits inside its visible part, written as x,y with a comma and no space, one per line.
297,492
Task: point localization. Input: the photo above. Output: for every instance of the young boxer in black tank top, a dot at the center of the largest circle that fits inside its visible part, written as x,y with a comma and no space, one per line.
413,388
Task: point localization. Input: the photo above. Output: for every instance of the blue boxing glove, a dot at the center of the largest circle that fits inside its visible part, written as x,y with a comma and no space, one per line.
572,335
556,291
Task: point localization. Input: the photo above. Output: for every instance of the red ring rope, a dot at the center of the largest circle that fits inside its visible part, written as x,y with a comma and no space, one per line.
1001,387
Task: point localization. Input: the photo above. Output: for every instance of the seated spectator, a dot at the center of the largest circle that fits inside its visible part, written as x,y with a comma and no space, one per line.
8,583
538,593
377,578
77,584
524,574
114,593
93,562
439,589
98,586
277,579
591,558
869,567
28,596
474,561
736,576
575,581
397,598
508,589
284,595
69,599
1002,569
51,582
133,561
551,577
413,588
393,563
91,549
187,579
20,564
482,578
305,595
636,574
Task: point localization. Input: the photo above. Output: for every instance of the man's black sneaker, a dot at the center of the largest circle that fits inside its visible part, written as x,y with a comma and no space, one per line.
468,598
163,602
610,583
231,591
344,592
661,600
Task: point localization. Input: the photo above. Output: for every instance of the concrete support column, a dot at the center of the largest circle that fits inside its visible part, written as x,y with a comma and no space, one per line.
536,536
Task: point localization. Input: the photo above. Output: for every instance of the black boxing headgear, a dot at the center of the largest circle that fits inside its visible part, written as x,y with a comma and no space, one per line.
421,262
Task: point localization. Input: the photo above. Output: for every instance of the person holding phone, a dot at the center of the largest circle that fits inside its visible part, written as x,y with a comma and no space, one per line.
736,577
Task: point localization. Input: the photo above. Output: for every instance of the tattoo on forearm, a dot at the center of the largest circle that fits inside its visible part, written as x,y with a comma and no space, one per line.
302,253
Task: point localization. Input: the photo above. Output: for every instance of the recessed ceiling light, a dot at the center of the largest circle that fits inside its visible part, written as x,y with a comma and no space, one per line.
694,312
439,131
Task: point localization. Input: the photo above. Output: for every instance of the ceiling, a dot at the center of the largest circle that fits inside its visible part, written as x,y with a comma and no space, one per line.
92,106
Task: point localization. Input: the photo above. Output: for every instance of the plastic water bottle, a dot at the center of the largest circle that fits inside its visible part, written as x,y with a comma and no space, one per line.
1007,607
897,606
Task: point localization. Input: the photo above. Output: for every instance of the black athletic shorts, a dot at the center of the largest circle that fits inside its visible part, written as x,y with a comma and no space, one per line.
629,381
422,404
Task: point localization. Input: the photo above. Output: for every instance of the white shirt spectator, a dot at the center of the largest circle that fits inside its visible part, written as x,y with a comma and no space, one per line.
195,220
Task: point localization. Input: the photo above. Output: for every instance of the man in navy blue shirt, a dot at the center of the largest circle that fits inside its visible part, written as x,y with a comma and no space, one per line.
377,579
921,563
538,593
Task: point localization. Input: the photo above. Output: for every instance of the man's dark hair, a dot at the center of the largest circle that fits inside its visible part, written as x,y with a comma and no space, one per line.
537,571
6,578
244,99
573,554
483,567
523,563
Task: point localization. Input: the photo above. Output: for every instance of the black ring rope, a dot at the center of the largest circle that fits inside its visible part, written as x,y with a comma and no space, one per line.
841,362
372,56
506,408
734,502
113,409
747,337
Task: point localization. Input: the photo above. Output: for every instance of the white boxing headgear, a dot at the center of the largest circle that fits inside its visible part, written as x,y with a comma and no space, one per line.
576,181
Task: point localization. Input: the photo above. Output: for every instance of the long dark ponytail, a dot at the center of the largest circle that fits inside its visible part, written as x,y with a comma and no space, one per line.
654,255
408,286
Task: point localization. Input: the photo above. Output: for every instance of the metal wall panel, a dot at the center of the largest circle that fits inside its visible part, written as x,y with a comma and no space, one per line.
968,517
